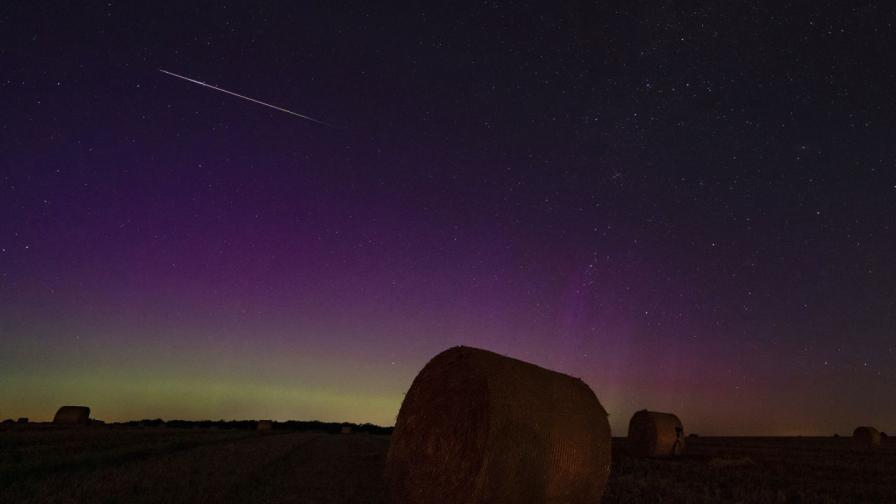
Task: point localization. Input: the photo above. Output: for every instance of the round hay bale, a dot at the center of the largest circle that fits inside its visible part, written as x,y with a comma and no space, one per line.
653,434
265,425
478,427
346,429
866,437
72,415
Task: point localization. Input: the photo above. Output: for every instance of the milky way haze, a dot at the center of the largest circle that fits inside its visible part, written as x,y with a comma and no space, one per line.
690,209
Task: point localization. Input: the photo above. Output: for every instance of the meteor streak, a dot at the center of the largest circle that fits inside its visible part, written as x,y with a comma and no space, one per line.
244,97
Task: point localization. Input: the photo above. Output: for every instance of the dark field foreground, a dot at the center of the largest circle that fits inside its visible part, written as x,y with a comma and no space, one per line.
106,465
103,464
763,470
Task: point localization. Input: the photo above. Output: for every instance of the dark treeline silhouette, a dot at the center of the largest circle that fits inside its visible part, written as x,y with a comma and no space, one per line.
289,425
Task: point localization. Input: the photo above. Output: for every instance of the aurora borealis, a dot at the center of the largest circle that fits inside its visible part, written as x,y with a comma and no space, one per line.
692,209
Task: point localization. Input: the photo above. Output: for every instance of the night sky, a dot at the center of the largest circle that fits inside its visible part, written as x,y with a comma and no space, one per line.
691,207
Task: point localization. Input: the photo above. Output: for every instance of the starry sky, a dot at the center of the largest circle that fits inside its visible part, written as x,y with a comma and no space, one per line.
689,205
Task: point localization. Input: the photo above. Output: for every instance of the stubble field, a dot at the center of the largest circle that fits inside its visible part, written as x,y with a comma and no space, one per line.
109,465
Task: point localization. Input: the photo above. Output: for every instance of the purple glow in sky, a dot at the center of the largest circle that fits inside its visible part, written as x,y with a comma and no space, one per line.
690,209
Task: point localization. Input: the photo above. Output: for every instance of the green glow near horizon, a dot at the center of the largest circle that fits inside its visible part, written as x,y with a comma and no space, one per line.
113,399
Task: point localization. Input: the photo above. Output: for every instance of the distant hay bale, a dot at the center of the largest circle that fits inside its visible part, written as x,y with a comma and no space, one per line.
653,434
866,437
346,429
22,420
477,427
72,415
265,425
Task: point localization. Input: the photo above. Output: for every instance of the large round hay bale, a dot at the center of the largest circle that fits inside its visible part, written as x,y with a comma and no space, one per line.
653,434
478,427
77,415
866,437
265,425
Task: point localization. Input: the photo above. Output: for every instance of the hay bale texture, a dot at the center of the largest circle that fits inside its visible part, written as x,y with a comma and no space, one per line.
265,425
866,437
478,427
654,434
72,415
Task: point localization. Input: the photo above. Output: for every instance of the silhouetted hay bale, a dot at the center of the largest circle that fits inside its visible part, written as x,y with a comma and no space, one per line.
866,437
77,415
653,434
478,427
22,420
346,429
265,425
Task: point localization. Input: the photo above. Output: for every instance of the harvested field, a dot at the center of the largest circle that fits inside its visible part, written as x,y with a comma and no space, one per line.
173,465
760,470
109,464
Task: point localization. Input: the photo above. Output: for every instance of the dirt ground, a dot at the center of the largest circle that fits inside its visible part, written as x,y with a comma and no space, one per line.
757,470
109,465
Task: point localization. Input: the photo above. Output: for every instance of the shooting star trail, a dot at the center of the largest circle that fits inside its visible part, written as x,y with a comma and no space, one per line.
253,100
